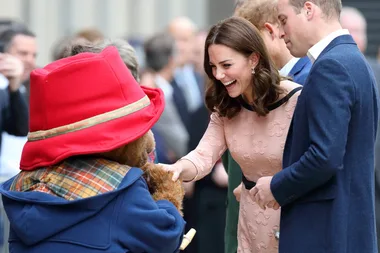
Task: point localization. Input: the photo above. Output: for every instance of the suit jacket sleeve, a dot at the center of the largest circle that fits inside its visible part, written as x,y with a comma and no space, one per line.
16,120
329,97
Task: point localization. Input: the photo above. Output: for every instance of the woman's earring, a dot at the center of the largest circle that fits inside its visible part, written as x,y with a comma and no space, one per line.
253,71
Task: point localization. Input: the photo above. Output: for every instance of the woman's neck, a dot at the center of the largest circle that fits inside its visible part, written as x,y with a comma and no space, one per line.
247,96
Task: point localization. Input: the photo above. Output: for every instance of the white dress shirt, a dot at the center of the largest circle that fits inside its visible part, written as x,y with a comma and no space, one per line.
317,49
3,82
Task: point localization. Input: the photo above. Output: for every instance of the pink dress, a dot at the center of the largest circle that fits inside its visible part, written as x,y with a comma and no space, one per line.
256,143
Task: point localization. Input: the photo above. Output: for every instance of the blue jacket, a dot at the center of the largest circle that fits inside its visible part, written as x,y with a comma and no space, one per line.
300,70
124,220
326,188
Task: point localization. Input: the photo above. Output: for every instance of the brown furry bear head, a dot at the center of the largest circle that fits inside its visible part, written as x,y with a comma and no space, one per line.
160,184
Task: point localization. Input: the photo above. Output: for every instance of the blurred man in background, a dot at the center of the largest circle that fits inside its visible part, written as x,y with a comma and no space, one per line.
19,42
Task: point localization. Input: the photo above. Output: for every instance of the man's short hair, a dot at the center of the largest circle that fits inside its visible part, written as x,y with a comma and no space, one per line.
6,37
330,8
239,3
258,12
126,52
159,49
6,23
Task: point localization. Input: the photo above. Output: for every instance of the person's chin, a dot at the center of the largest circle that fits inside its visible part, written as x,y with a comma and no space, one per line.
296,52
289,47
233,94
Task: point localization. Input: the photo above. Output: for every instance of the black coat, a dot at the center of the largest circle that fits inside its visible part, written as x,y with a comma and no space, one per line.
14,117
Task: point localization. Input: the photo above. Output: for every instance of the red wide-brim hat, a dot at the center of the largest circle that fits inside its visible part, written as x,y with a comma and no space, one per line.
86,104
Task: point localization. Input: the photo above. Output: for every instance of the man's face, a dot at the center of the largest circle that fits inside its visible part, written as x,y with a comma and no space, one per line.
294,29
185,39
25,48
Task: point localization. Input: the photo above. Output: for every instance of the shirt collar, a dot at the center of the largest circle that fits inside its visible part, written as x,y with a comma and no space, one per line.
317,49
284,71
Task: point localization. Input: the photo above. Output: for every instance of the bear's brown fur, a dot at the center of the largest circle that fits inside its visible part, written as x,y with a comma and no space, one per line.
160,183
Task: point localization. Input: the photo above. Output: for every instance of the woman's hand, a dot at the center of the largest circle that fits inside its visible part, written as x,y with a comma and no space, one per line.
237,192
183,169
174,168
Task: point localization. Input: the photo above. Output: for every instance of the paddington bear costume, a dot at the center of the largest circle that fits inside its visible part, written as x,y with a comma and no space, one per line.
70,198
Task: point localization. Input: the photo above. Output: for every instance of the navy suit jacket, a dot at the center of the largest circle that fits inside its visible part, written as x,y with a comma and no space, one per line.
300,71
326,188
180,103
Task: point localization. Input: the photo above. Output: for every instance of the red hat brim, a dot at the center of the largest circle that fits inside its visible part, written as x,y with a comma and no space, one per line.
100,138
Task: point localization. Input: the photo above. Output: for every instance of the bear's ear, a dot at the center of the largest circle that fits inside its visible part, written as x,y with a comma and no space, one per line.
133,154
150,142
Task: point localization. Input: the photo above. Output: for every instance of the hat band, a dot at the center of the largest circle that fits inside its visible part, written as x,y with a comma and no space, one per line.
90,122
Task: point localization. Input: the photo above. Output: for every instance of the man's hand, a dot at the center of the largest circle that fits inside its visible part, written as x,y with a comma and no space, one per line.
12,68
262,193
274,205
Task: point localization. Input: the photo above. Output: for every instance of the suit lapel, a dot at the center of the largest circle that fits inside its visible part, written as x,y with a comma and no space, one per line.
299,66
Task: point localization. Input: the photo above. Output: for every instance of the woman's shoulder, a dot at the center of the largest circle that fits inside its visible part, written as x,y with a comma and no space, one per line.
290,86
291,92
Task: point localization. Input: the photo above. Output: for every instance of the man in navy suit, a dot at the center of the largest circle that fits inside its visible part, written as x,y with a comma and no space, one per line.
326,187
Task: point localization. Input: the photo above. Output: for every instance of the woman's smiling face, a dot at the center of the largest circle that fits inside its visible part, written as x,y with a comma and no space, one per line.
232,69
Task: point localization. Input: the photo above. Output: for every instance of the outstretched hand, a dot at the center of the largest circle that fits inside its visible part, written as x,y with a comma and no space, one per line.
177,170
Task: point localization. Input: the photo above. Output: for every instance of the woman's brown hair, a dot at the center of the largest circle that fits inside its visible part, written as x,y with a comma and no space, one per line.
241,36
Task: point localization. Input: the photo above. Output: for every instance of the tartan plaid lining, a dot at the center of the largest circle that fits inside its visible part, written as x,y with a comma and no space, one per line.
74,178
